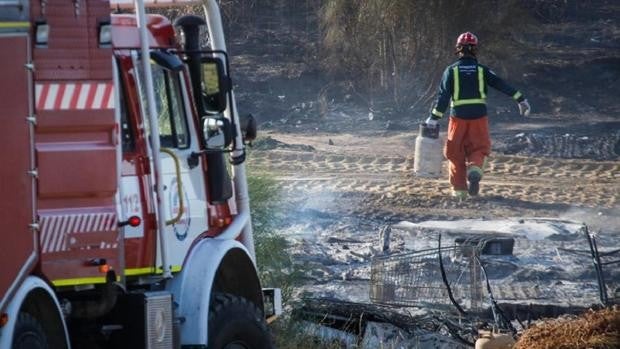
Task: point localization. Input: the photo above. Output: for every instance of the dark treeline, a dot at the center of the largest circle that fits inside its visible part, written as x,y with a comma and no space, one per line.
390,52
395,49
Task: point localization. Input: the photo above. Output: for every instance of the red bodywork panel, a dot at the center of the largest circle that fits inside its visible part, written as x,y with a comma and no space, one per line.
75,143
16,185
73,52
125,33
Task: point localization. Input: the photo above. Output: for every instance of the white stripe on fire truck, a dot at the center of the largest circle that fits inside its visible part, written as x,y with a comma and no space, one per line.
66,226
61,236
50,228
44,235
67,96
48,235
55,229
51,97
96,222
99,94
71,96
46,232
111,99
103,223
37,92
81,103
81,223
55,233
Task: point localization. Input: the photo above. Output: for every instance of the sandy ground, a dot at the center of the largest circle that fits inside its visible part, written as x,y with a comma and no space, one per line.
375,172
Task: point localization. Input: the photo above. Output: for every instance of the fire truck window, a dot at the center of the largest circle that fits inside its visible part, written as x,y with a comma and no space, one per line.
170,110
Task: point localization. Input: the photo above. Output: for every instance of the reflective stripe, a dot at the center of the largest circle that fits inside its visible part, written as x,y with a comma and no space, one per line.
457,83
81,281
437,112
517,95
149,270
457,86
102,279
139,271
481,83
468,101
5,25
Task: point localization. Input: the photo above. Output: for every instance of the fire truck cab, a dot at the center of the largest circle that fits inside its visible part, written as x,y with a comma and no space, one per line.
125,216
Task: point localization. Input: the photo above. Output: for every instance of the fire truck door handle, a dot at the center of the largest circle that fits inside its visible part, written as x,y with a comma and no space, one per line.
177,167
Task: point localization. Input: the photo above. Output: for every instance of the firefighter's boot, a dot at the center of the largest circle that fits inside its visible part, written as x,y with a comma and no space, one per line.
459,194
474,175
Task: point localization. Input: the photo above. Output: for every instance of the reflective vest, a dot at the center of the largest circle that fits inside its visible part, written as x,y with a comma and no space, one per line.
456,100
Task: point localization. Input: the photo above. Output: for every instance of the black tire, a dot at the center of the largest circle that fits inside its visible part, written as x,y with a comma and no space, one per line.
29,333
236,323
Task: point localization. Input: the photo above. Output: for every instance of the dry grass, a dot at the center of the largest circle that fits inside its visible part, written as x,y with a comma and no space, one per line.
398,48
593,330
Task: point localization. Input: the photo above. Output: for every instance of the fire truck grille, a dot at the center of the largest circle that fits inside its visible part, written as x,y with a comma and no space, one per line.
158,315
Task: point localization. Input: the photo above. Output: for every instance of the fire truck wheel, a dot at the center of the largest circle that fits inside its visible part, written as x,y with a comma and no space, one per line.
29,333
236,323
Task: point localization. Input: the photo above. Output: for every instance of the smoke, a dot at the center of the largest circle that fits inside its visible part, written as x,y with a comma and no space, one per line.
606,220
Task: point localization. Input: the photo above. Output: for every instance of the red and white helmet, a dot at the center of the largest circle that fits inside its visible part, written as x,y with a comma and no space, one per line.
467,38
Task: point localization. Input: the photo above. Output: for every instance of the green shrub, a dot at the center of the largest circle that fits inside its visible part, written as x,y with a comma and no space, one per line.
275,266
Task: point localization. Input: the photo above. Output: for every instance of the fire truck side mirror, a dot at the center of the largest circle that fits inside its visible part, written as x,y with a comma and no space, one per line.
216,84
218,132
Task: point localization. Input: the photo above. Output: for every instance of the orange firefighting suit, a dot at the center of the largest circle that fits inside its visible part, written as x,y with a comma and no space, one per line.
468,144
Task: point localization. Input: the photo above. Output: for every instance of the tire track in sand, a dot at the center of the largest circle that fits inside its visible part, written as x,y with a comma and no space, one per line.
573,182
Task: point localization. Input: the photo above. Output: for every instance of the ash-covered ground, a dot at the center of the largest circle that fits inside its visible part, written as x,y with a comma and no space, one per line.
339,192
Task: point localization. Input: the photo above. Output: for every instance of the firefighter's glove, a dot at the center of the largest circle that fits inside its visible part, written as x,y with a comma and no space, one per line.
432,121
524,108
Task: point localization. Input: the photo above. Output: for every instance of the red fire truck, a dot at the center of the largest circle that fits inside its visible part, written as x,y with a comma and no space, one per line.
124,216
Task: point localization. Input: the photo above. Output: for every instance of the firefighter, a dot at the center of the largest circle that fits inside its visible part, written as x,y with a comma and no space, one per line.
464,86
